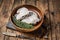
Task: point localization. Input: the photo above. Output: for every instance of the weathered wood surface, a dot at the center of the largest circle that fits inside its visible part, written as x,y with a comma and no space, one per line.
51,7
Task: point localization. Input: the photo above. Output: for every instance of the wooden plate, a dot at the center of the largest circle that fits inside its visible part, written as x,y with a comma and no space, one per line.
33,8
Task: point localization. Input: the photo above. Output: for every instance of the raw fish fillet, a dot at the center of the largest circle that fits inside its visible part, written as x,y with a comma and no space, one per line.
32,19
21,12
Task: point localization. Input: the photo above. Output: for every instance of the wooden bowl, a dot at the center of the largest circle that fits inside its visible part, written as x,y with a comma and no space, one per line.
33,8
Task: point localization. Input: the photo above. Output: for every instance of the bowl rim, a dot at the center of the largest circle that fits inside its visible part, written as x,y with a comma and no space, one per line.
27,30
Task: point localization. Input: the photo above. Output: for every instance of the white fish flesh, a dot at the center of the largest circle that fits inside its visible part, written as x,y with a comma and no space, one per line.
33,19
21,12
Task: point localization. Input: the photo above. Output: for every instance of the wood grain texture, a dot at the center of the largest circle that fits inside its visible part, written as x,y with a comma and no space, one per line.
51,8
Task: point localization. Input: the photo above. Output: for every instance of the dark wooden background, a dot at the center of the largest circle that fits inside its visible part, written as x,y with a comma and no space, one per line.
50,7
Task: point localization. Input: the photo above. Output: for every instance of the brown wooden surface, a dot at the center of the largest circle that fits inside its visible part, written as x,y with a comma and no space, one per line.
53,6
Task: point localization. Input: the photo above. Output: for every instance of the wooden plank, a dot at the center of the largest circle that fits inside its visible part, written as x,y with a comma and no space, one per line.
2,29
55,33
51,35
1,2
4,12
56,18
16,3
11,31
18,34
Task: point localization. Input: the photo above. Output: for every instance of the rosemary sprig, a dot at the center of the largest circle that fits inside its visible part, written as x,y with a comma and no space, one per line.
22,24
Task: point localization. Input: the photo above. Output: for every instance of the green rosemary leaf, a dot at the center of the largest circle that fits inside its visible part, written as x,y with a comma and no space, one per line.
22,24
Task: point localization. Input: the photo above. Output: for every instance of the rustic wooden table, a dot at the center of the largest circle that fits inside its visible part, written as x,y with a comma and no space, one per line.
53,14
